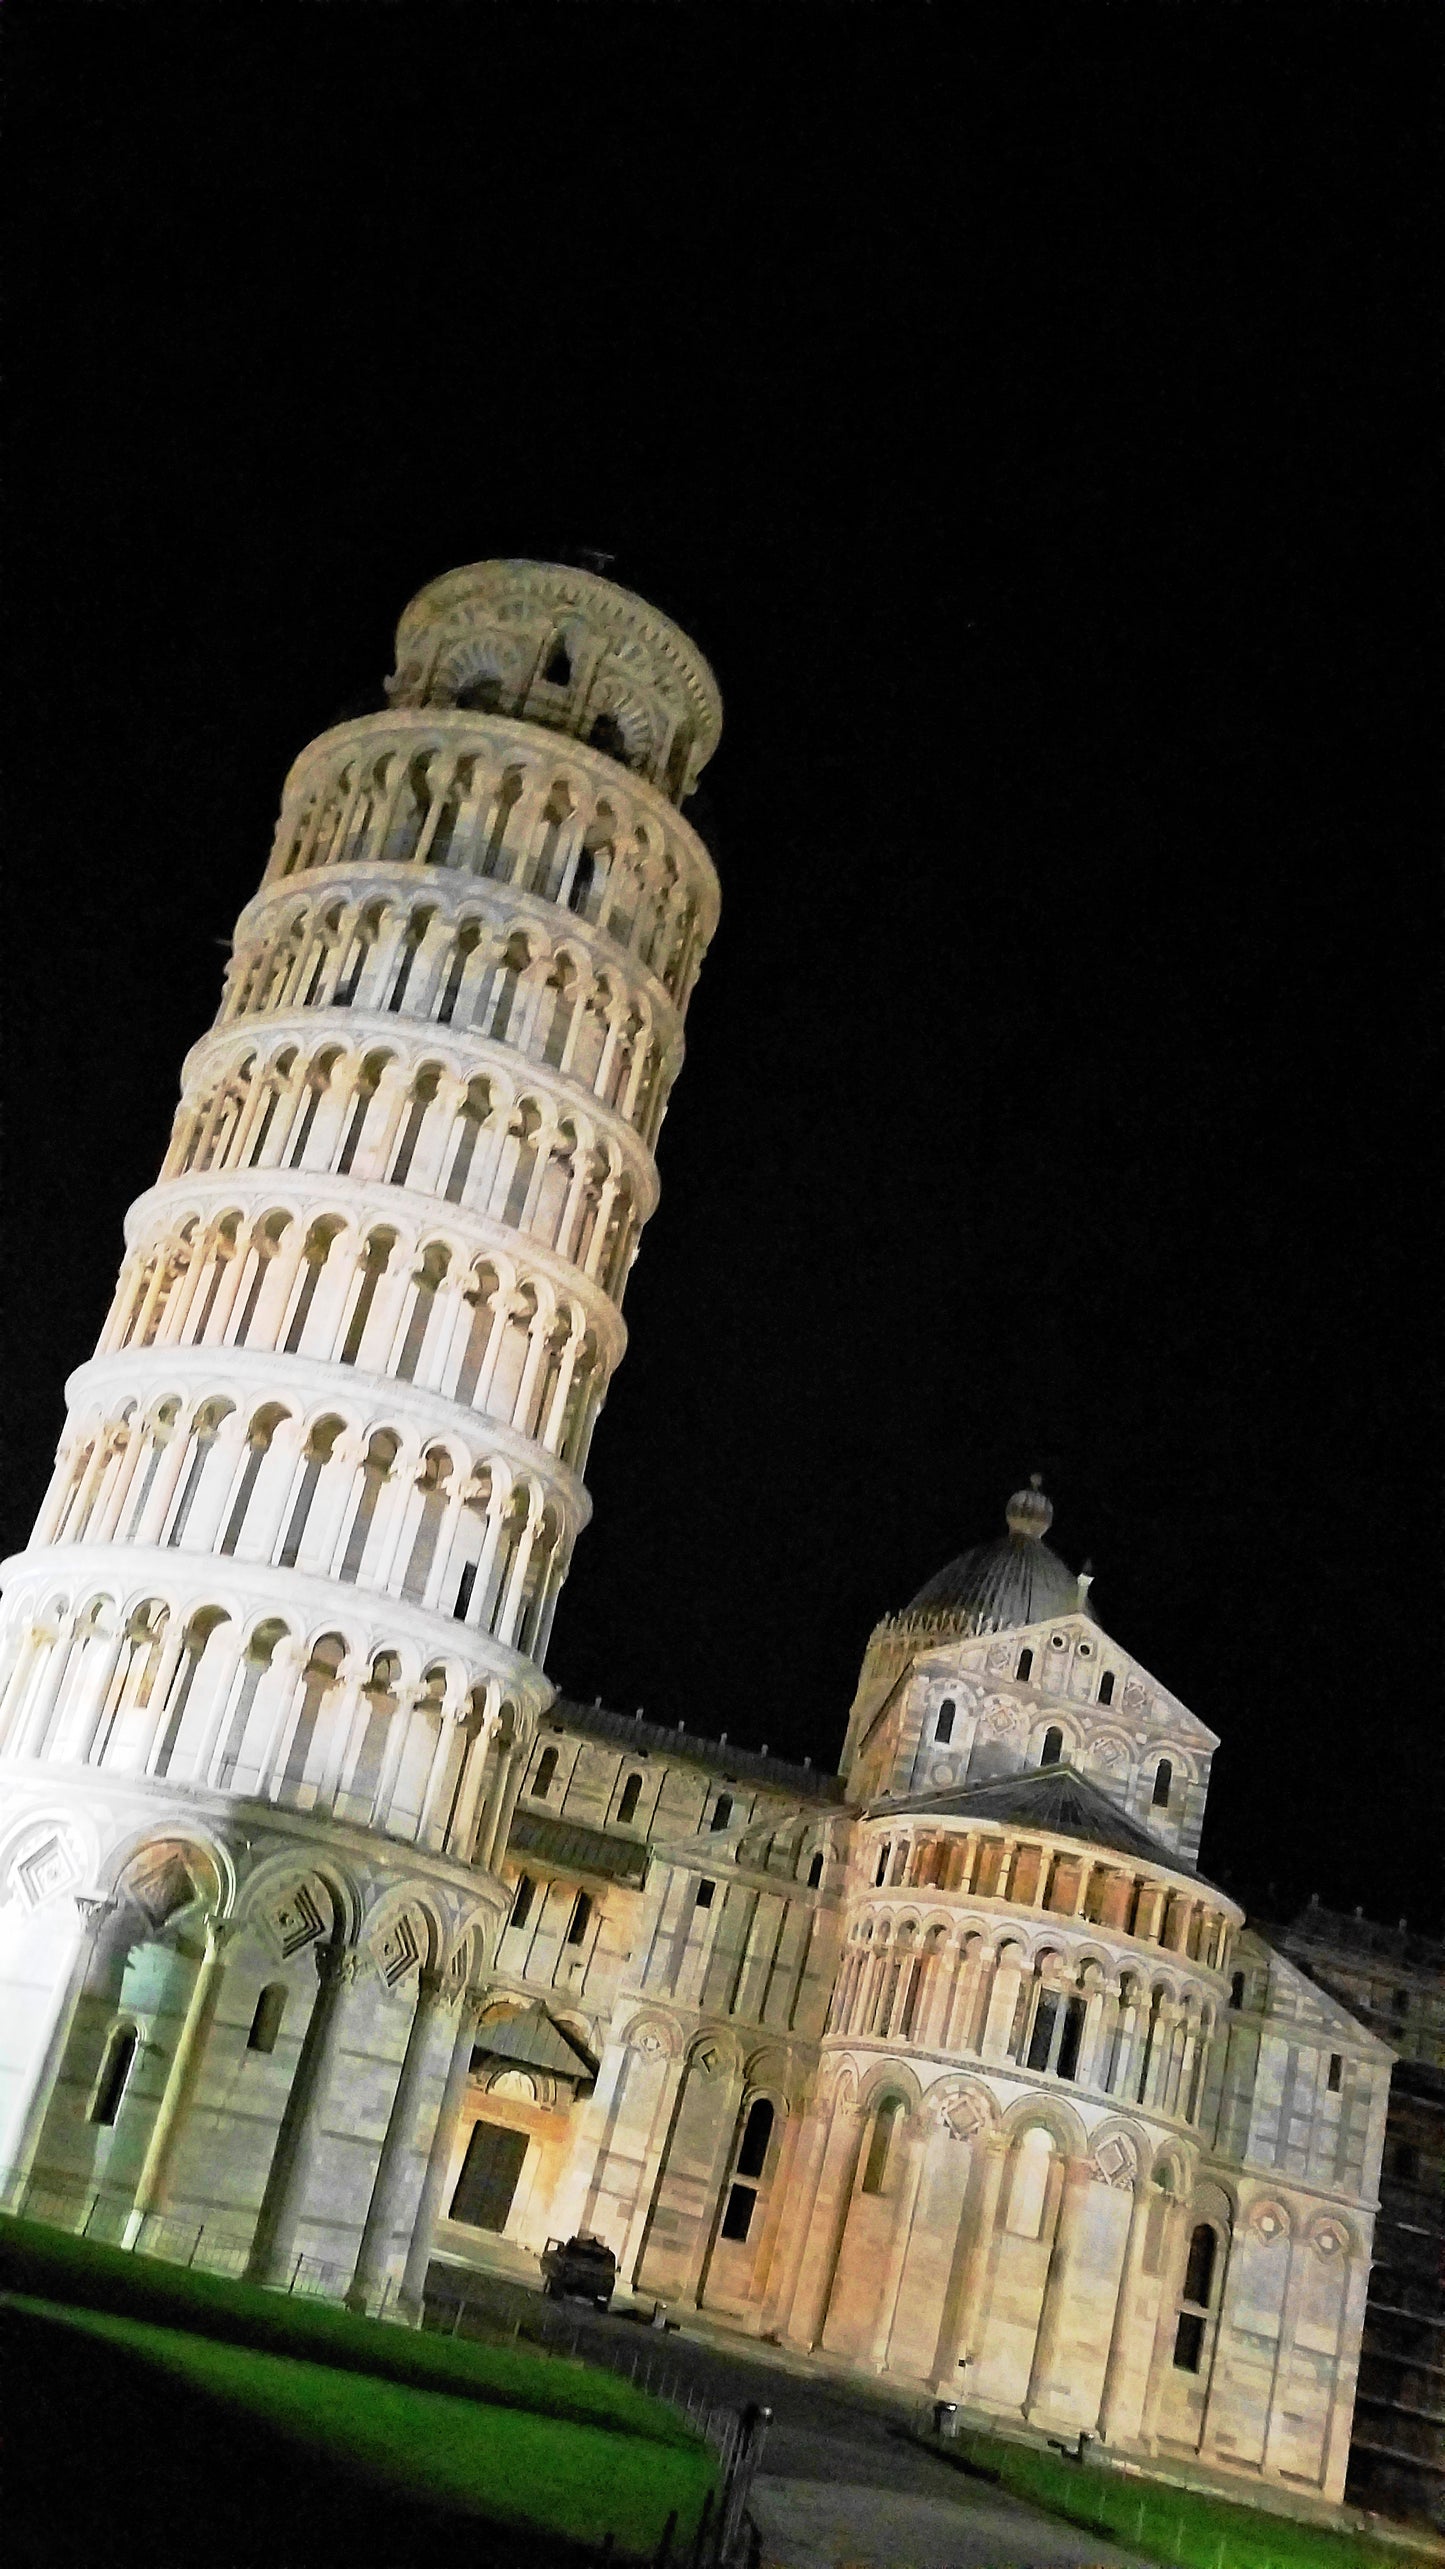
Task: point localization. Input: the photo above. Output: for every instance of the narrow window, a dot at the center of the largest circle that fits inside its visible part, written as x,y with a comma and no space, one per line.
579,891
1163,1779
522,1900
1053,1748
577,1924
881,1876
943,1727
880,2143
546,1769
757,2133
1073,2035
120,2055
1199,2273
1336,2073
1041,2039
705,1893
738,2213
1025,1667
1106,1687
558,672
631,1794
1236,1990
815,1873
1189,2342
465,1585
266,2023
722,1811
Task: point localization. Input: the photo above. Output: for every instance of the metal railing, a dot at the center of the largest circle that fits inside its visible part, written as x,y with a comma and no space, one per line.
724,2538
106,2214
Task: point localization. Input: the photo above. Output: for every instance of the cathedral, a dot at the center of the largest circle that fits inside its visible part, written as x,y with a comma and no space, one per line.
330,1935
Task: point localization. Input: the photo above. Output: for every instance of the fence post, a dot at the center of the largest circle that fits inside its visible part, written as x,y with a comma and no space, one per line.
747,2453
699,2540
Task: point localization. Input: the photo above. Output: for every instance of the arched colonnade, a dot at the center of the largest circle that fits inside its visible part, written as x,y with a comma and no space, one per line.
237,1700
451,798
410,1309
437,1522
541,997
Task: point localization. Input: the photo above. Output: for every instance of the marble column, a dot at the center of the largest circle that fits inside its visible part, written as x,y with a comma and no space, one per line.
187,2062
284,2200
389,2183
433,2184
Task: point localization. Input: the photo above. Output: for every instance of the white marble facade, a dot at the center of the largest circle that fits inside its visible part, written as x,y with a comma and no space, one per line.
326,1929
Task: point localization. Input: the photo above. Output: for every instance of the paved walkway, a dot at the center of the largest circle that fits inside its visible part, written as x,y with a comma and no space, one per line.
842,2485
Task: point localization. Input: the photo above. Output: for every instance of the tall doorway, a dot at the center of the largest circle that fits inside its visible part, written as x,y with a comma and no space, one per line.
488,2180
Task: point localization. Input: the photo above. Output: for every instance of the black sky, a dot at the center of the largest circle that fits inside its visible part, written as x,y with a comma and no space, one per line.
1029,414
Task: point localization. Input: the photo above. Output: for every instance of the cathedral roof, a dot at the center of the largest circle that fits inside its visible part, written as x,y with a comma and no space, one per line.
998,1586
1053,1798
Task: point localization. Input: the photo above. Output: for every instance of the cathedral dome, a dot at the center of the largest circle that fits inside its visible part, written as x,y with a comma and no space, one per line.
1015,1579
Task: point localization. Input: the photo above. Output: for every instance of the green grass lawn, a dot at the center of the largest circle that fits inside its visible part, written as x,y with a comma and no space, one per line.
51,2265
142,2400
1186,2527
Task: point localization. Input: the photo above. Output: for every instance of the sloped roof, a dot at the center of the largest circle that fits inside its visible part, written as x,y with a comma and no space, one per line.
574,1848
1055,1798
533,2040
721,1757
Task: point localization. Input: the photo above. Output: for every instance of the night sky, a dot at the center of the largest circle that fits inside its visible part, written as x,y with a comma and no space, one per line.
1027,414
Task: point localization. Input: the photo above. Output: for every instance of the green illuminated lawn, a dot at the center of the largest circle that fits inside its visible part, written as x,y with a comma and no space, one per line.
52,2266
1185,2527
142,2399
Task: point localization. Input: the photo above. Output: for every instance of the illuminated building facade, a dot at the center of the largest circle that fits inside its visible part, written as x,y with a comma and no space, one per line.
272,1662
326,1929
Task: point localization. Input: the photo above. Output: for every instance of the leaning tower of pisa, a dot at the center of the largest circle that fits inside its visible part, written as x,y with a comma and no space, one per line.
272,1660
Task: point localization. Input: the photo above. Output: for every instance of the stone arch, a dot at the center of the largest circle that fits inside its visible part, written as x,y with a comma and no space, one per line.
1054,2114
405,1932
288,1872
163,1872
652,2033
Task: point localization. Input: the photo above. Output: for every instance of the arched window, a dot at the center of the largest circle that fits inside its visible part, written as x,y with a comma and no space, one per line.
1236,1990
266,2022
522,1900
558,671
1106,1687
1053,1747
577,1923
1163,1779
943,1727
722,1811
815,1872
1029,2188
1025,1666
546,1769
631,1793
116,2068
1196,2298
880,2144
